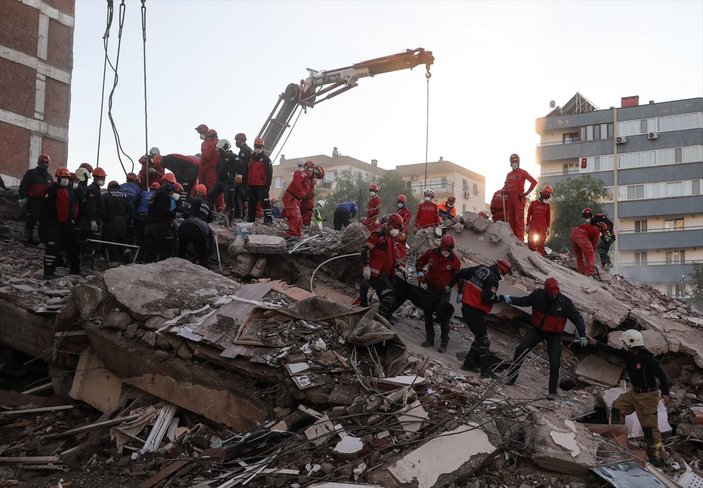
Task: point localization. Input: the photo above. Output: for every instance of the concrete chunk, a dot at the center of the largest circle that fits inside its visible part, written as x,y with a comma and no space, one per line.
561,445
597,371
87,299
261,244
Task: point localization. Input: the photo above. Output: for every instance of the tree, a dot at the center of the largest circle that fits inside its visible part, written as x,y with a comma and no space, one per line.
697,284
569,199
391,185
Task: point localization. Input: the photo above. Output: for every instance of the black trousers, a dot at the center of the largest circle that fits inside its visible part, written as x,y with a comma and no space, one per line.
534,337
224,187
342,218
259,194
32,216
158,242
435,306
192,240
479,353
116,230
61,235
385,290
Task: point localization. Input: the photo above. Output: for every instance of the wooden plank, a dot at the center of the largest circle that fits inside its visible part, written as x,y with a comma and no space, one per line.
36,389
97,425
30,459
37,410
163,474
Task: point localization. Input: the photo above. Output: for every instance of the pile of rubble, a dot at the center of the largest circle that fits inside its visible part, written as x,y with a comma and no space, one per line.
168,374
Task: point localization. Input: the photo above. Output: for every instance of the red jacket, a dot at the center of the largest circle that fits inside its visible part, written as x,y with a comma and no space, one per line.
549,315
441,269
497,205
407,217
539,215
590,231
427,215
515,183
35,183
480,288
298,186
260,171
374,206
381,254
209,156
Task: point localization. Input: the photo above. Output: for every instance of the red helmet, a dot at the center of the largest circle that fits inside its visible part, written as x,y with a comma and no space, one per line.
545,195
62,173
99,173
402,199
551,287
395,221
240,137
258,141
451,199
87,166
602,227
211,133
202,128
483,214
448,242
73,176
200,188
309,164
155,185
170,178
44,158
587,213
504,266
373,187
113,184
132,177
178,187
318,172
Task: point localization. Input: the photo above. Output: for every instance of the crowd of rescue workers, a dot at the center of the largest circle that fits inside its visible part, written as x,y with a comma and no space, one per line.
157,214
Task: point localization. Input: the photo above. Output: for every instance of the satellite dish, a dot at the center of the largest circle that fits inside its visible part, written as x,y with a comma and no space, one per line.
552,104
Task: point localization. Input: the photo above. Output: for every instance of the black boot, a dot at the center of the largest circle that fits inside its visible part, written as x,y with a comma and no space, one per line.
429,331
429,342
444,338
615,416
485,366
471,361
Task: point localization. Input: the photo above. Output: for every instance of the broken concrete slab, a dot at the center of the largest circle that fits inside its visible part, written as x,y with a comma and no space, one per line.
439,462
263,244
166,287
117,319
94,384
560,444
596,371
87,298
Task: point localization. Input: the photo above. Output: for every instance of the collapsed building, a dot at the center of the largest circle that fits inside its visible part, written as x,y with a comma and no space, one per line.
263,373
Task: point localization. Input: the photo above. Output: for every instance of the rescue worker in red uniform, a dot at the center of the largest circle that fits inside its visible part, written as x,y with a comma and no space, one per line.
292,197
184,167
259,176
538,219
515,190
442,264
207,167
498,205
151,166
307,204
59,213
447,211
550,310
479,293
373,215
33,187
403,211
427,214
379,259
584,240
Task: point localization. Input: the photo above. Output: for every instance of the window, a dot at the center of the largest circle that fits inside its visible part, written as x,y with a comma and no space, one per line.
673,224
570,137
589,132
475,188
330,176
641,258
465,185
695,187
635,192
408,184
676,257
640,226
643,126
570,168
678,155
596,132
278,182
680,290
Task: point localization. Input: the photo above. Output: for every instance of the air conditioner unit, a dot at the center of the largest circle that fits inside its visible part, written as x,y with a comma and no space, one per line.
652,135
620,140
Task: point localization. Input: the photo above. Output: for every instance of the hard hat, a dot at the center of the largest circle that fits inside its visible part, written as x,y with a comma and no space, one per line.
154,151
202,128
132,177
402,199
155,185
448,242
169,177
73,176
483,214
240,137
62,173
429,193
87,166
258,141
318,172
99,173
545,195
309,164
211,133
603,227
200,188
223,145
113,184
321,203
373,187
395,220
504,266
587,213
548,188
178,187
632,338
451,199
301,164
44,158
514,156
551,287
82,174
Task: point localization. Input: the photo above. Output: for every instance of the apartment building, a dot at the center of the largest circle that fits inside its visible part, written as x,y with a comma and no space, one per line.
650,158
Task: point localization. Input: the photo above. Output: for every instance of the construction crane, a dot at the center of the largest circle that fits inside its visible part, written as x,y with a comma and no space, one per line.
330,83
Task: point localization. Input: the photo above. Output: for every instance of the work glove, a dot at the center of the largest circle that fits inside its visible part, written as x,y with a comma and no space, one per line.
505,299
93,226
583,342
608,237
238,179
366,273
420,277
22,202
459,297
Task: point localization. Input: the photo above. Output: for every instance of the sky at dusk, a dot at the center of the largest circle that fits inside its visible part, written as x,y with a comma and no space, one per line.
497,66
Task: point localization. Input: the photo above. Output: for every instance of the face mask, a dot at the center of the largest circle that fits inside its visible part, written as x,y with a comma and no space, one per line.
450,205
202,137
63,182
395,232
445,253
400,204
100,182
74,186
258,150
372,193
427,199
588,221
515,165
176,196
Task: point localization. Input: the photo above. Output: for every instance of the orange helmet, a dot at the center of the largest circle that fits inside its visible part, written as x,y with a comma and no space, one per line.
451,199
318,172
99,173
548,188
170,178
73,176
155,185
62,173
200,188
258,141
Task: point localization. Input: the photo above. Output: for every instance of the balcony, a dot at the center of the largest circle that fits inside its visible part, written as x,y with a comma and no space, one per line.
660,239
574,150
657,272
660,207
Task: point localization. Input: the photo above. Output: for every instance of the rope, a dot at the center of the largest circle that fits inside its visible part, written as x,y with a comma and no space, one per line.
289,133
146,126
428,75
106,41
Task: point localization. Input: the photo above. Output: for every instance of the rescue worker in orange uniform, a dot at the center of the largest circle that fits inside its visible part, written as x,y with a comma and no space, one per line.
33,187
151,166
308,203
427,214
403,211
538,219
515,189
479,293
442,264
372,221
292,197
207,167
58,211
379,259
584,240
259,176
447,211
550,309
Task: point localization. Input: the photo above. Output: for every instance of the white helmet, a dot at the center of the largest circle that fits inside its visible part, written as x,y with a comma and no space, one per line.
223,144
632,338
301,163
154,151
321,203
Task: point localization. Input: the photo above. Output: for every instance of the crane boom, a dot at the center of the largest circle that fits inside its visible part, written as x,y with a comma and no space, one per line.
323,85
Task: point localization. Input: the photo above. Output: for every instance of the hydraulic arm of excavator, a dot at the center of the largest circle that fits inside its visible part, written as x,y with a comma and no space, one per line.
331,83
